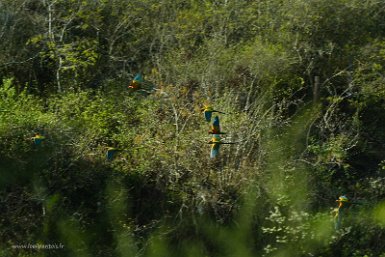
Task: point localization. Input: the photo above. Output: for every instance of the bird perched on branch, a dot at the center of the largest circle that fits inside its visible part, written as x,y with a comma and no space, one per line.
215,127
216,142
208,111
38,139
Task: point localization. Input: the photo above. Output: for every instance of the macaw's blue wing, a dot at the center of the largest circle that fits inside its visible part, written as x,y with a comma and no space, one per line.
216,129
110,154
38,141
207,115
138,77
214,150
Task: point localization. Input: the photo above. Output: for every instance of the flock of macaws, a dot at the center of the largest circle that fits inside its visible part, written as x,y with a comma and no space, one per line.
137,84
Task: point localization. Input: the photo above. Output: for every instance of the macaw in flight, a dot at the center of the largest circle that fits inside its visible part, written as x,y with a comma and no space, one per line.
216,142
215,127
343,202
38,139
139,85
136,82
208,111
111,152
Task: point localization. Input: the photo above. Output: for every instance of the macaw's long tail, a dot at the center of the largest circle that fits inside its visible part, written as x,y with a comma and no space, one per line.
337,222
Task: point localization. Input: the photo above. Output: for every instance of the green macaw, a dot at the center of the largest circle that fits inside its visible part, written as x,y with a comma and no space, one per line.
111,152
138,84
215,127
208,111
343,203
38,139
216,142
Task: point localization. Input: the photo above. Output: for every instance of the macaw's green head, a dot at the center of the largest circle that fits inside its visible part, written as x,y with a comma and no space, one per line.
39,136
341,200
207,108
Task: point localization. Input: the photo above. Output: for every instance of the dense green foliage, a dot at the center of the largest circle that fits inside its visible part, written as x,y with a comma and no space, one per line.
303,86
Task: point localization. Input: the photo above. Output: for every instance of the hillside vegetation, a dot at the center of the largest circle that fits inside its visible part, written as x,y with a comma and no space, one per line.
302,84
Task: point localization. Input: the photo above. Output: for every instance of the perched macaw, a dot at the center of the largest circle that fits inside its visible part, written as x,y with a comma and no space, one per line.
215,127
38,139
111,151
208,111
136,82
342,205
216,142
